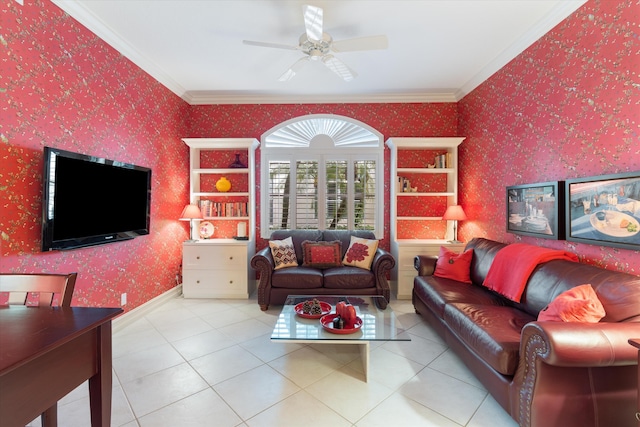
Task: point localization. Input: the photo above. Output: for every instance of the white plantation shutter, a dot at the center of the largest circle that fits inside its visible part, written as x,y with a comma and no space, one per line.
322,172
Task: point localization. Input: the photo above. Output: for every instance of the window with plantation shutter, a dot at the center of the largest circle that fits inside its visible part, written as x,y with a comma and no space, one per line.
322,172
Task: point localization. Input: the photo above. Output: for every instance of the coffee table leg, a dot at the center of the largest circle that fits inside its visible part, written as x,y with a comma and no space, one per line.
364,356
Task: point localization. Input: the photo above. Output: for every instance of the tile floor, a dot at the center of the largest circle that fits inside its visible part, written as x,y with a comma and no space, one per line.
211,363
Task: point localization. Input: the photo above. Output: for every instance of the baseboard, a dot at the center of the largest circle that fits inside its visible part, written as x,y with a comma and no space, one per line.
137,313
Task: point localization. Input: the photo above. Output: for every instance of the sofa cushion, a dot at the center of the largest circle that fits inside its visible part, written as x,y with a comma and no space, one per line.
360,253
298,236
283,253
321,254
492,332
348,278
297,278
436,292
579,304
454,266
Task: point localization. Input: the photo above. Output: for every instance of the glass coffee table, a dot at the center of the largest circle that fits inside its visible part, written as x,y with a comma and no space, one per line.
377,324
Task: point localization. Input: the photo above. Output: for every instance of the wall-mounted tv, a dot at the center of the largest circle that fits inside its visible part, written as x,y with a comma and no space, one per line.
91,201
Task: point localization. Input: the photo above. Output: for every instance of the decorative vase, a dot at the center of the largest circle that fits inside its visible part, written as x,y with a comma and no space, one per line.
223,185
237,163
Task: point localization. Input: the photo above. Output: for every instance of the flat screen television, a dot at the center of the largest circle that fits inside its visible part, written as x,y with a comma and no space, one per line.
91,201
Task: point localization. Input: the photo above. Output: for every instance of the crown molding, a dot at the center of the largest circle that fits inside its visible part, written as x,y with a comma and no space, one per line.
213,97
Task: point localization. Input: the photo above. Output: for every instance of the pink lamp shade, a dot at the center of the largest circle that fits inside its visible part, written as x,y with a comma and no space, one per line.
454,213
190,212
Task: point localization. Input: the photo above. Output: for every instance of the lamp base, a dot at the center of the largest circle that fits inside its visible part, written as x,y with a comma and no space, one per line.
454,241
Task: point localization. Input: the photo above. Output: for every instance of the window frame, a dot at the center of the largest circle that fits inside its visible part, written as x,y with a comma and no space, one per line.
322,139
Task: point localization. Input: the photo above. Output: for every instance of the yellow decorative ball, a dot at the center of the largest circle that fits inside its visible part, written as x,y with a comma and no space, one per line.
223,185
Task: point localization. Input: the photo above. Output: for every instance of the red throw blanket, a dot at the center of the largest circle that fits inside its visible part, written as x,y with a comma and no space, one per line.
513,264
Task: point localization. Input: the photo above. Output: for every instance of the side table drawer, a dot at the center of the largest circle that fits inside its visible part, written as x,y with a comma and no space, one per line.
214,284
215,257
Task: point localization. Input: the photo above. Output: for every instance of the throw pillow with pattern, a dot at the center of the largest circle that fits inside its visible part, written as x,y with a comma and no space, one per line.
360,253
283,252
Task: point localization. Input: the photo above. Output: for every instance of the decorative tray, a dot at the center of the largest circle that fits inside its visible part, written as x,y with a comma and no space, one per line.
324,306
327,324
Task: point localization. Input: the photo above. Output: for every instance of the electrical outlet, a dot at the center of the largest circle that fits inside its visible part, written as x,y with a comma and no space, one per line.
123,299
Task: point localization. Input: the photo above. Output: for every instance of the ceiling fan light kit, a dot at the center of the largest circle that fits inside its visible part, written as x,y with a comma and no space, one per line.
318,45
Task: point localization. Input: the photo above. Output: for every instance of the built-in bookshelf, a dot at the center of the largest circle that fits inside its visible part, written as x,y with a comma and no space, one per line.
425,176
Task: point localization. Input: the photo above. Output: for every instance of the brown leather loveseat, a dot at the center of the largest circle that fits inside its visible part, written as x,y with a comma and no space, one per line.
275,285
543,373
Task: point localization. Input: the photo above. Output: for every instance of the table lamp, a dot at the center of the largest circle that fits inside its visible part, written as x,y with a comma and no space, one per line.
189,213
455,213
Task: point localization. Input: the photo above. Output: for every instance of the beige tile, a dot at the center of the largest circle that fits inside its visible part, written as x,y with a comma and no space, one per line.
390,369
347,395
254,391
245,330
305,366
300,409
267,350
399,410
145,362
491,413
137,341
224,364
449,363
202,344
446,395
162,388
205,408
419,349
184,328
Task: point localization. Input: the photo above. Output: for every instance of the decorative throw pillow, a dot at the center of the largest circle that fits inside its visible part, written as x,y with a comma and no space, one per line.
360,253
579,304
454,266
321,254
284,254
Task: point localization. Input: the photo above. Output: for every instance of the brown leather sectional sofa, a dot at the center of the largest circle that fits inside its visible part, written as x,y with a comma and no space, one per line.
275,285
544,374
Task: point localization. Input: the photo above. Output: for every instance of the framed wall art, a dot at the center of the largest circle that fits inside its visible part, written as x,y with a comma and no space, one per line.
536,210
604,210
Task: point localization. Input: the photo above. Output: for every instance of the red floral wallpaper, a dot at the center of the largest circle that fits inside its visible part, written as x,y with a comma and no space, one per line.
567,107
64,87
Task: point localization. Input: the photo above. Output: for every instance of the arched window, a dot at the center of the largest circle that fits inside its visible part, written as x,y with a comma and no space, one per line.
322,172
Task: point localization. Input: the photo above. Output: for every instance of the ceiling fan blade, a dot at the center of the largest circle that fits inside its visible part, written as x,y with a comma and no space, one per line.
291,72
313,21
361,43
273,45
339,67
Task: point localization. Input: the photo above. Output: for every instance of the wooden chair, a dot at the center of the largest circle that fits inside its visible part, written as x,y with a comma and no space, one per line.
20,286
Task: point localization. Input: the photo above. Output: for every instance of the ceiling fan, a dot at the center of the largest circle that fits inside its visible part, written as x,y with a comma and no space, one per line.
318,45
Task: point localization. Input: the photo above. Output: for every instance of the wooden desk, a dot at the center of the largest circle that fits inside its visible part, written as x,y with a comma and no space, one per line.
46,352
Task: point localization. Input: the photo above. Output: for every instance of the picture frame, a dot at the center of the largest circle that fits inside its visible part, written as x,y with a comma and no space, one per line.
537,210
604,210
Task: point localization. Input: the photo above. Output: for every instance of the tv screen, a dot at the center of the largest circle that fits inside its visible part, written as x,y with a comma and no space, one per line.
91,201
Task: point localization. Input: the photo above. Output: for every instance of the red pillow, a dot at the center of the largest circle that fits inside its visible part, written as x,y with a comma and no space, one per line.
321,254
454,266
579,304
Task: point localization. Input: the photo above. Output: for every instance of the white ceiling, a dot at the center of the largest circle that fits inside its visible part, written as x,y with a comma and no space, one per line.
439,50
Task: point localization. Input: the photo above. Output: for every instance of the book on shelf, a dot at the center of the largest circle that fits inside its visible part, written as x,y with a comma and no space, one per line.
211,209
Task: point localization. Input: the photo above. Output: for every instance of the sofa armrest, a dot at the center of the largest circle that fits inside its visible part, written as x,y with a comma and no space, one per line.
425,264
382,264
263,262
579,344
